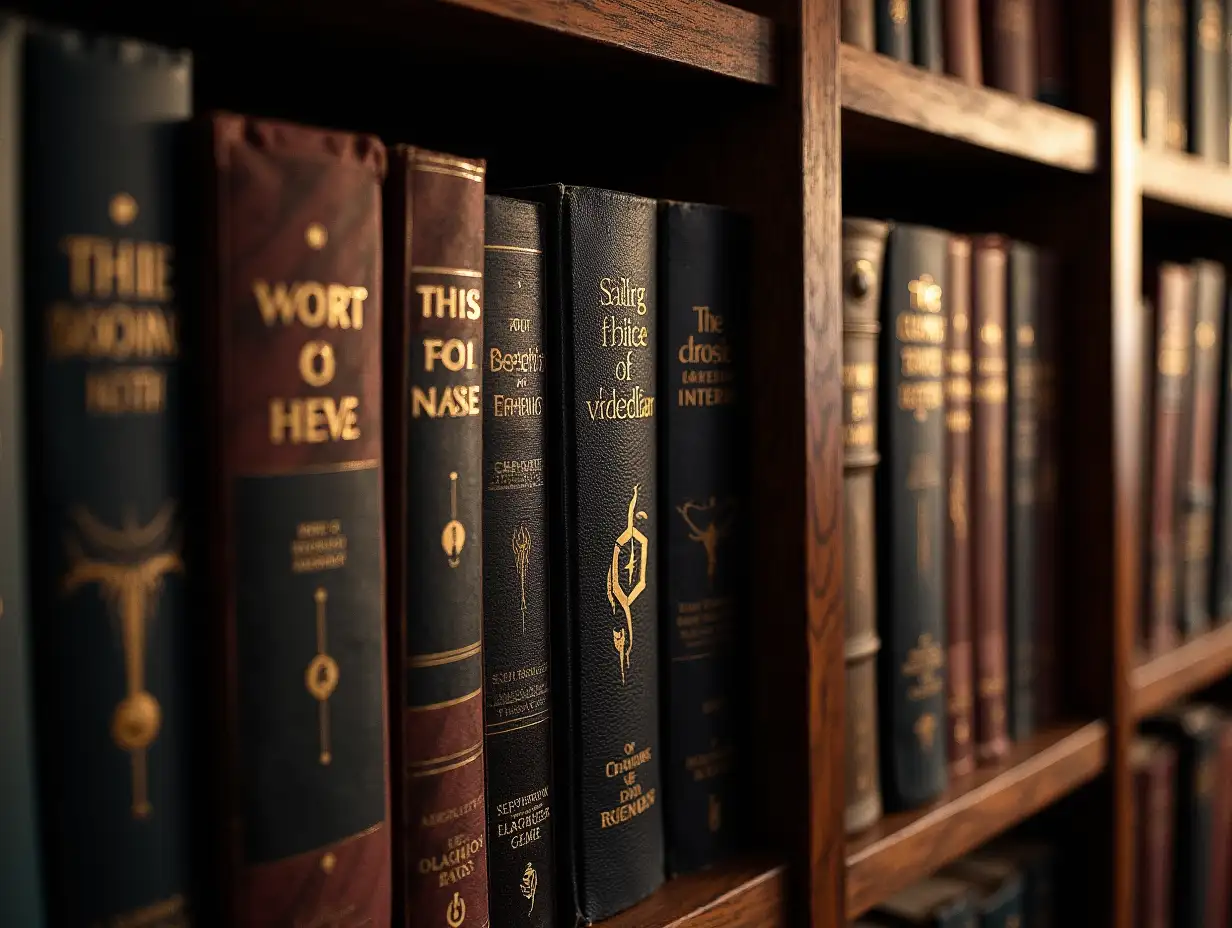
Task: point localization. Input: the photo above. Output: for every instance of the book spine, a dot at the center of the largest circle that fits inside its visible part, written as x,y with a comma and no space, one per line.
911,519
859,24
927,38
1047,678
517,677
1178,93
21,897
1009,36
961,26
434,343
1221,560
704,270
894,28
863,266
1208,80
960,691
1053,52
1218,894
1155,64
108,568
1154,770
297,534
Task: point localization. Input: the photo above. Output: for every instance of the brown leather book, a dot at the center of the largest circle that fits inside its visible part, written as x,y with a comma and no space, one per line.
864,243
961,26
1173,305
959,685
294,310
1153,764
1218,885
988,494
1009,40
859,23
1047,679
1052,52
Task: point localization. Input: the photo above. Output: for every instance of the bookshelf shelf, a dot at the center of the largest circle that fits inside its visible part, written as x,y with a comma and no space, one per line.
882,97
906,847
1161,680
1184,182
737,895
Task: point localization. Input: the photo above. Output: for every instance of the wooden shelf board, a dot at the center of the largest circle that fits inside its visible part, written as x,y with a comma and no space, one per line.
905,847
1159,681
741,894
890,93
1185,181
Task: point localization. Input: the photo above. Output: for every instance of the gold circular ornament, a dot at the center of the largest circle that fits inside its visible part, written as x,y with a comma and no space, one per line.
135,722
321,677
316,236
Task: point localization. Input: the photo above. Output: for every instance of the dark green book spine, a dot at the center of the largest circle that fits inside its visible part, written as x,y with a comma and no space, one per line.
927,39
106,384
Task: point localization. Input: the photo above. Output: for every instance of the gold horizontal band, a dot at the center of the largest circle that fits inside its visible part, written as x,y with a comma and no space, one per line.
430,157
341,467
432,762
444,657
447,703
451,271
497,726
515,248
452,172
435,771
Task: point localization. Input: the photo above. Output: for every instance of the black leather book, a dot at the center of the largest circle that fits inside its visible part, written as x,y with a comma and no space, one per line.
1221,553
927,35
1208,80
21,898
604,514
517,691
703,283
911,515
1024,482
108,563
1193,730
894,29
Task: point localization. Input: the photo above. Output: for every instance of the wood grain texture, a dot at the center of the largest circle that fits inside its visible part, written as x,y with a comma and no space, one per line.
737,895
882,90
1182,671
1185,181
904,848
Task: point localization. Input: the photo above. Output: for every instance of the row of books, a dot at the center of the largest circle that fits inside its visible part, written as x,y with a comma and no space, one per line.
353,504
949,506
1013,45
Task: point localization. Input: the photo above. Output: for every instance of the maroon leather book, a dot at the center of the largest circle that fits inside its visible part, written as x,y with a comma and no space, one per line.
989,440
859,23
1153,764
961,26
1052,51
960,695
1047,679
1219,885
294,348
1009,37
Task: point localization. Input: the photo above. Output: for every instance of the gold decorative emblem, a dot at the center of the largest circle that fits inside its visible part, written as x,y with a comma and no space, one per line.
315,236
635,576
991,334
521,559
898,11
321,677
925,291
454,535
129,569
925,728
714,815
1026,336
328,862
122,209
958,504
455,912
717,519
530,883
1204,335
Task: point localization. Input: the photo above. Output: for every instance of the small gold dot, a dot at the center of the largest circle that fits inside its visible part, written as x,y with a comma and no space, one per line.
122,209
316,236
453,475
328,862
326,757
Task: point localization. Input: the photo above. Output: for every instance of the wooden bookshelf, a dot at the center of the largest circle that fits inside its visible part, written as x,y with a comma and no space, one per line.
732,896
903,848
1185,183
1166,678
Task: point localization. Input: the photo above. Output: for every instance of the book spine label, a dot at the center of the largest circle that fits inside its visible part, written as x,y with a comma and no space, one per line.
1208,80
989,452
1010,60
517,692
297,333
863,265
859,24
436,244
960,688
1024,485
704,263
1155,62
109,569
926,27
894,28
911,512
961,25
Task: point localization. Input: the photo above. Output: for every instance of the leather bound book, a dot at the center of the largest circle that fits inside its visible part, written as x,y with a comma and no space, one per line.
1052,47
1221,560
911,517
114,673
927,35
1047,537
1037,862
604,519
704,276
517,675
1194,731
960,682
1198,486
21,897
989,505
1208,79
998,888
294,310
1219,892
1155,64
1024,486
894,35
1177,74
860,23
1173,327
1153,768
434,353
961,26
935,902
864,242
1009,46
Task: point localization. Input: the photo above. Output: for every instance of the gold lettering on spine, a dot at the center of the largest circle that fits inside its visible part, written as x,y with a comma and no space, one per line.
633,799
321,677
630,340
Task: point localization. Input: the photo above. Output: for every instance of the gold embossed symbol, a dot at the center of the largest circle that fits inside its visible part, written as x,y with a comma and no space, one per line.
709,523
321,677
315,236
521,558
530,883
128,567
898,11
454,535
631,574
455,912
1204,334
122,209
925,727
328,862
